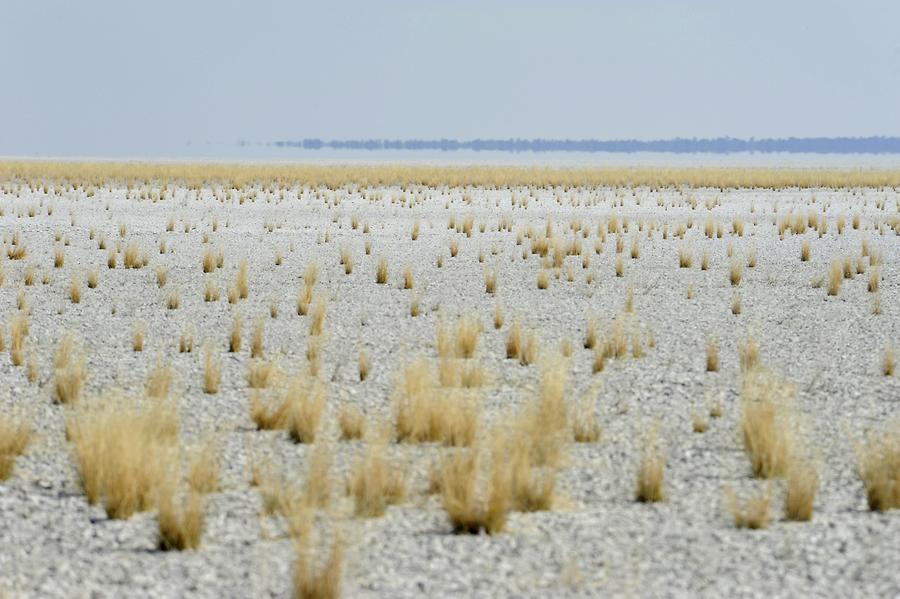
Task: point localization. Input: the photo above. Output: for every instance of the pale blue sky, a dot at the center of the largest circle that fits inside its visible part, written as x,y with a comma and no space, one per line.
119,78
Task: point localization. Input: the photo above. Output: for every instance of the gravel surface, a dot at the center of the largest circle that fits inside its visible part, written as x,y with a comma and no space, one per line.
597,540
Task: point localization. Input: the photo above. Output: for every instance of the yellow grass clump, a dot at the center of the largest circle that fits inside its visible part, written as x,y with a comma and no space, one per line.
317,317
212,371
800,494
347,259
888,362
18,332
651,472
735,273
752,513
159,380
879,468
364,365
236,335
424,412
352,423
490,281
256,339
15,434
125,451
835,277
313,577
381,271
181,525
75,289
767,426
585,428
69,372
375,483
466,510
712,355
242,281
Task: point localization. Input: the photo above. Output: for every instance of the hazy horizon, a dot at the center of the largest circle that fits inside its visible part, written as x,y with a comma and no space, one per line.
108,79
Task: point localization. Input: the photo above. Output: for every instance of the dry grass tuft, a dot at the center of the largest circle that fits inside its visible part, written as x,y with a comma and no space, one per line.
374,483
209,260
313,580
748,353
203,469
514,341
752,513
347,259
408,279
712,355
585,428
767,426
685,257
364,365
424,412
15,434
835,277
211,291
879,468
590,335
75,289
137,336
490,281
498,316
132,256
800,495
317,316
159,381
70,372
888,363
467,512
735,273
381,271
303,405
212,371
874,280
242,282
180,526
699,424
305,298
352,422
468,332
260,373
173,301
736,304
186,341
236,336
125,451
256,339
651,472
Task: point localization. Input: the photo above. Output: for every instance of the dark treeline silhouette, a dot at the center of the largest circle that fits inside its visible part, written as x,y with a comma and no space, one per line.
718,145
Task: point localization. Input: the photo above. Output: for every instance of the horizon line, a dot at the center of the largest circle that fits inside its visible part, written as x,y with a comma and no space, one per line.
676,145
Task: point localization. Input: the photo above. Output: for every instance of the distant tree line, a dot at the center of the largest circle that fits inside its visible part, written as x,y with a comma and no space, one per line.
718,145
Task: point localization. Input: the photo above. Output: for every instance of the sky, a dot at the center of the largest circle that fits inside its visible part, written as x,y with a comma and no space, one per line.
143,79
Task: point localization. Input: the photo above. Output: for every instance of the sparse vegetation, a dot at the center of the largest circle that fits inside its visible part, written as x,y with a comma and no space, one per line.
532,395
